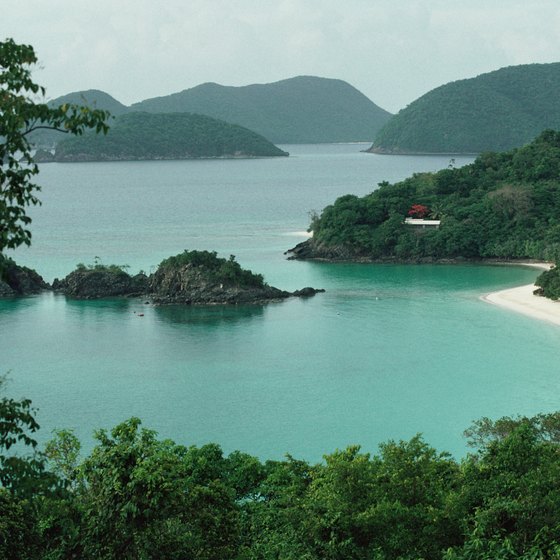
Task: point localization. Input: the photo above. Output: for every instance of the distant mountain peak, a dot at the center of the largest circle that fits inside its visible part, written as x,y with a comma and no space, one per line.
303,109
494,111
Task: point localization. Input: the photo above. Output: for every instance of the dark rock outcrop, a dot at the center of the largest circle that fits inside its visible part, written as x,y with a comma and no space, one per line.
202,278
101,282
191,278
18,280
307,292
194,285
310,249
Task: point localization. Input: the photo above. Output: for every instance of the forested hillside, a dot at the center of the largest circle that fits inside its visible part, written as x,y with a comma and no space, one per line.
495,111
502,206
137,496
145,136
304,109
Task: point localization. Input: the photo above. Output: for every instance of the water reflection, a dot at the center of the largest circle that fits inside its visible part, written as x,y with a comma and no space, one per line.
119,305
207,315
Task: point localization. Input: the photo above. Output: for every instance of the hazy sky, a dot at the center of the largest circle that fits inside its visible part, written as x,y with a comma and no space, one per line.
393,51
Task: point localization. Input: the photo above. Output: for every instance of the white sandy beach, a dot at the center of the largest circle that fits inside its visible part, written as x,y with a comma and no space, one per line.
522,300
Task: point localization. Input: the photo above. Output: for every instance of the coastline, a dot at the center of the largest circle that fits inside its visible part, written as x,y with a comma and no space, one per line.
522,300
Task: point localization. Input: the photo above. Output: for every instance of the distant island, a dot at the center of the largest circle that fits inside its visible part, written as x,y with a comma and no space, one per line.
304,109
145,136
496,111
300,110
503,206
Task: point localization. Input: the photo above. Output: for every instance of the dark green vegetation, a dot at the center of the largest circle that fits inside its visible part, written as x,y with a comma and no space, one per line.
228,272
495,111
138,497
549,283
502,206
20,116
299,110
144,136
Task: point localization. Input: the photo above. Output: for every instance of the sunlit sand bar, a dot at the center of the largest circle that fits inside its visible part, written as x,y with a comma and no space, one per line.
522,300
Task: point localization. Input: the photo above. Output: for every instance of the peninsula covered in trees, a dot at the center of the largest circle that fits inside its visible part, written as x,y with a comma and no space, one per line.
145,136
503,206
497,111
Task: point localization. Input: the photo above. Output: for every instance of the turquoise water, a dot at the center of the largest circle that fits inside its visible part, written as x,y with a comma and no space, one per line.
386,352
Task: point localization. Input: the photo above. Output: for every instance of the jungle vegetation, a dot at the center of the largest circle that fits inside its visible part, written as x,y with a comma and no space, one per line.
503,206
136,496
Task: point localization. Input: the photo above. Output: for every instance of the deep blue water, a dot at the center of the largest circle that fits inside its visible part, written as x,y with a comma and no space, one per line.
386,352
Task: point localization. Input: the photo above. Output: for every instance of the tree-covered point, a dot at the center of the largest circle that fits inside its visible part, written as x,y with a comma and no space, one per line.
548,283
502,206
145,136
495,111
136,496
214,268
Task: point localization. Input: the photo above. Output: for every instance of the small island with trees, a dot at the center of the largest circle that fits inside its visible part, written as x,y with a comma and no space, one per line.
153,136
189,278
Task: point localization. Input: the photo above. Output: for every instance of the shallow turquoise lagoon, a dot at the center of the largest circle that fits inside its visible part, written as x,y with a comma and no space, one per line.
386,352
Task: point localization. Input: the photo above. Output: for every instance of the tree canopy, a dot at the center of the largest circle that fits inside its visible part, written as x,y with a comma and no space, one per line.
136,496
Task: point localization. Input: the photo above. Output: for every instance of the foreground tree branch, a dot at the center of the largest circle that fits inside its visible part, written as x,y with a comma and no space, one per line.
20,114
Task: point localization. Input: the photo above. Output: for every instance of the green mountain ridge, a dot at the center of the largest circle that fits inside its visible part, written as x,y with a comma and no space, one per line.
93,98
148,136
496,111
304,109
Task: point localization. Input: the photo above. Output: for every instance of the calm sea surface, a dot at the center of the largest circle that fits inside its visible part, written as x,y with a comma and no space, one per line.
386,352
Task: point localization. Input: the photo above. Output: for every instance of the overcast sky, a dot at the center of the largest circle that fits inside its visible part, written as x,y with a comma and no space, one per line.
393,51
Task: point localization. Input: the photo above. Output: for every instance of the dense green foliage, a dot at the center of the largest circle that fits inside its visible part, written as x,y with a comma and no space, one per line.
140,136
495,111
548,283
20,115
138,497
216,269
504,205
304,109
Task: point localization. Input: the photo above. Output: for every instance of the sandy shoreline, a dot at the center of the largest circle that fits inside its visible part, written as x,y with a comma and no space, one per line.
522,300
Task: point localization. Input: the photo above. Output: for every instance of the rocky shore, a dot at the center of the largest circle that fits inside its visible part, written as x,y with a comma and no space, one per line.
101,282
18,280
218,282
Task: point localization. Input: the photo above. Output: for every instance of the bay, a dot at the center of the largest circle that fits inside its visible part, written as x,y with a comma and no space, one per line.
386,352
